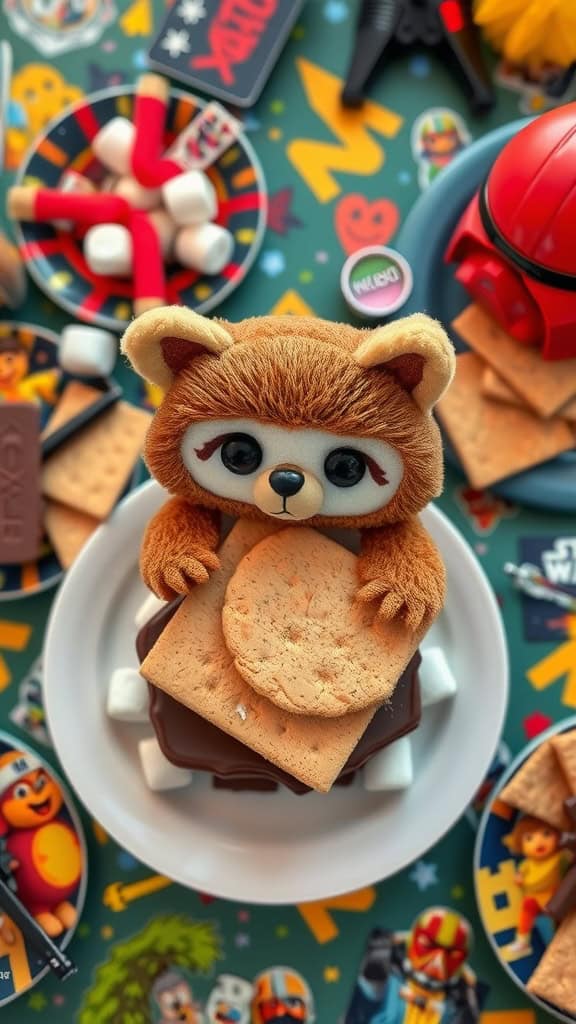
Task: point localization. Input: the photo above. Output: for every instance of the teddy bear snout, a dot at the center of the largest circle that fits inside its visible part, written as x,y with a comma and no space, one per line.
286,482
288,492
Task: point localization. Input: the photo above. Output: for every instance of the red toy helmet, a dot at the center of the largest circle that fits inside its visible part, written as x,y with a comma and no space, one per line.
439,944
515,242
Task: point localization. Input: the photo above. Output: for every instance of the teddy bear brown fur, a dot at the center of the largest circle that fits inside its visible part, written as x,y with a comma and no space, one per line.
299,374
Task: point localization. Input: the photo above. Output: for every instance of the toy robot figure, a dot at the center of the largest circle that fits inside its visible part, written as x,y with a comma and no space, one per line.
514,244
282,996
418,977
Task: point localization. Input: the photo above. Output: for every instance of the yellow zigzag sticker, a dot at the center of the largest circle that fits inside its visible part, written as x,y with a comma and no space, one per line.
358,152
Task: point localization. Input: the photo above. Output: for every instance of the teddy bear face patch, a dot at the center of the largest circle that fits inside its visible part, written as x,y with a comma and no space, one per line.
291,473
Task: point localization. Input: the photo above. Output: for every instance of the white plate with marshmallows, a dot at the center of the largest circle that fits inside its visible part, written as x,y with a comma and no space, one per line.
267,847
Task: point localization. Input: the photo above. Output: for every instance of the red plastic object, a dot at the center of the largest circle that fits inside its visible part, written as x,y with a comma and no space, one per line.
100,208
514,244
148,269
149,167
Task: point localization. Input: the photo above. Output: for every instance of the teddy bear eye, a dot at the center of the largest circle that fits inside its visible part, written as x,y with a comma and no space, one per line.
344,467
241,454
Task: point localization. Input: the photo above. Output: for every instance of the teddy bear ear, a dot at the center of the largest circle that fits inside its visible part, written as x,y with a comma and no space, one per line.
161,342
417,351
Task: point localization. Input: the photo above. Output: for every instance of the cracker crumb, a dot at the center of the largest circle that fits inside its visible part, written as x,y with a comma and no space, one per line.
241,712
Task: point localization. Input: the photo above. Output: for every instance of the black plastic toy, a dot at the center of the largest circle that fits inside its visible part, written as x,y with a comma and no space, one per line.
446,25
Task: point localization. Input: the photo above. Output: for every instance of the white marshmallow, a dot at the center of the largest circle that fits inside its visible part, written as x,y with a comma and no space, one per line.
127,699
166,230
190,198
113,145
147,609
436,679
134,193
204,247
87,351
108,250
391,768
158,771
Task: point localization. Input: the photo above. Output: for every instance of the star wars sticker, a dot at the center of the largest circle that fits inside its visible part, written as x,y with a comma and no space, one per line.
555,557
56,26
227,48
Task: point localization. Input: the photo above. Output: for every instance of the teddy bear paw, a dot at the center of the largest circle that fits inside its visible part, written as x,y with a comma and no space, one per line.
180,575
396,602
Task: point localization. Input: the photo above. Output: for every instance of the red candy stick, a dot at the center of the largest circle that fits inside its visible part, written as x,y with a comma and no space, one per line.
148,264
148,165
46,204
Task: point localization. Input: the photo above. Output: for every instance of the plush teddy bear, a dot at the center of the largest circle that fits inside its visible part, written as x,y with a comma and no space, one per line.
304,421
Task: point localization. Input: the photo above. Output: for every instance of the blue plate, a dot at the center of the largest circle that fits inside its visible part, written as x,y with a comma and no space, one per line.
423,240
497,893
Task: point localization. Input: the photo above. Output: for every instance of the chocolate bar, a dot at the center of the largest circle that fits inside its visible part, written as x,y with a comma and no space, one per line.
20,498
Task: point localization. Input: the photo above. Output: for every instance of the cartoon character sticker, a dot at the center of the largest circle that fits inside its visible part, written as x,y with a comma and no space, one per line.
44,849
172,996
29,370
360,223
420,976
555,559
438,135
42,853
56,26
282,996
38,93
28,713
229,1001
538,875
153,975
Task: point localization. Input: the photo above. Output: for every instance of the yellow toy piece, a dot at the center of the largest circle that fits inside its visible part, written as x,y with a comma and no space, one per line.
39,92
530,33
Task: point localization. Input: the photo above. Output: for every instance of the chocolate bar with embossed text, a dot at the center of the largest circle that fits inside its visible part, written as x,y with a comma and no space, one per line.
20,497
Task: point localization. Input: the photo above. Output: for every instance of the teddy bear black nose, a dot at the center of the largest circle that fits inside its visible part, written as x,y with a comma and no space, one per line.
286,482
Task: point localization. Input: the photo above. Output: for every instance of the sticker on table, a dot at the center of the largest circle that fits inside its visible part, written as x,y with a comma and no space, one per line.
230,1001
28,713
43,849
438,135
281,995
418,976
178,953
360,222
375,281
555,558
56,26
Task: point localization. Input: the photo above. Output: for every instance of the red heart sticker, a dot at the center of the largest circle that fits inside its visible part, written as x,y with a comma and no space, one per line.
360,223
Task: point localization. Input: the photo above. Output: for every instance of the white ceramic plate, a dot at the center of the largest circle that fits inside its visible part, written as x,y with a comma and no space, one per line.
264,848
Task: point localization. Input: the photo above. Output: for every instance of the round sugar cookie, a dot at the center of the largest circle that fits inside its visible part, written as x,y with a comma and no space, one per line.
297,635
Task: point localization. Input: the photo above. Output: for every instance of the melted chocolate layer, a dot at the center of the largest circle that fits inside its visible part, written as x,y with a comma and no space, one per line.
189,741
